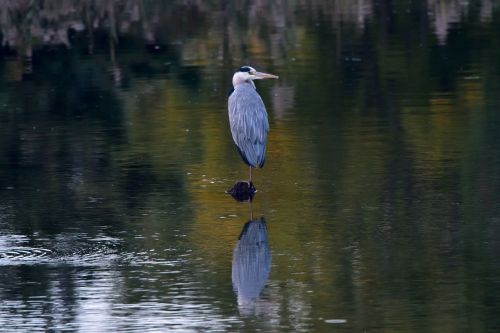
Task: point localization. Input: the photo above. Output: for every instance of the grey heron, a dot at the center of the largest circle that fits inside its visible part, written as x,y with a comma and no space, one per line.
248,117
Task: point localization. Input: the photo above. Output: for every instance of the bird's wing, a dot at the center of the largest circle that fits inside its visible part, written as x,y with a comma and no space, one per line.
249,125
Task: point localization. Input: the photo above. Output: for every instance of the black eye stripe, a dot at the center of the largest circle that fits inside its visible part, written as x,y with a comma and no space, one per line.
245,69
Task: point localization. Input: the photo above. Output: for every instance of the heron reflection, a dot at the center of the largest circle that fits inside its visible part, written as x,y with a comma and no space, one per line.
251,264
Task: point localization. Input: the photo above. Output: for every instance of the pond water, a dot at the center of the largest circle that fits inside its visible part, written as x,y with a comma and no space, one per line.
377,210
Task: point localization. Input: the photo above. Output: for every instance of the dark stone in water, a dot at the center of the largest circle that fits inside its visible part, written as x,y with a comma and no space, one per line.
242,191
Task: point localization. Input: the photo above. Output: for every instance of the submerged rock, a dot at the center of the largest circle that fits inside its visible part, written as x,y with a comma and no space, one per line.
242,191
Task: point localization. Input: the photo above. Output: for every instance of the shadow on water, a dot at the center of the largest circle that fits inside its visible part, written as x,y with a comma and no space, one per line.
251,261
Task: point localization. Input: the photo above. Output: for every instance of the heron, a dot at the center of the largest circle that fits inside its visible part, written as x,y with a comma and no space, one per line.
248,117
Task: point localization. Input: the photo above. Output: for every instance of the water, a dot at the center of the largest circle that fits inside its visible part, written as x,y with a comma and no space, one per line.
377,209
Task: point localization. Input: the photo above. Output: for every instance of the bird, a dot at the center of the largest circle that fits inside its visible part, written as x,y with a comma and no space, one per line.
248,117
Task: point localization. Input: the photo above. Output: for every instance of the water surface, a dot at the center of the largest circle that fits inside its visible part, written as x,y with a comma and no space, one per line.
377,209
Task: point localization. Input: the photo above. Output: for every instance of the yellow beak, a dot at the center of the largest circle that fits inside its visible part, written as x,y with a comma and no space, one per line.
260,75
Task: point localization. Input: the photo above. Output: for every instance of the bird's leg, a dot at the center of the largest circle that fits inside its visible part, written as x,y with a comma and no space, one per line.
250,181
251,209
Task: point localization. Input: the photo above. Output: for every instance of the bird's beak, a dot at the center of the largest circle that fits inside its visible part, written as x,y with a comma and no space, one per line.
260,75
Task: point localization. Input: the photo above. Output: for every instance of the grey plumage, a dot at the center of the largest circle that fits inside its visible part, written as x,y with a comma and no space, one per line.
248,117
249,124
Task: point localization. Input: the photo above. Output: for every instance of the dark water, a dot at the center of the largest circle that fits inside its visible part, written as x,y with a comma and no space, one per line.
378,208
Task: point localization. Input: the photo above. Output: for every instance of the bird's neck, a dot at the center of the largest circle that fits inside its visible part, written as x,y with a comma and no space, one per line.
245,84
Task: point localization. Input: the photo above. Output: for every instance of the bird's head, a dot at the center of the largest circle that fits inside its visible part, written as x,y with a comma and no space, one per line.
248,74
